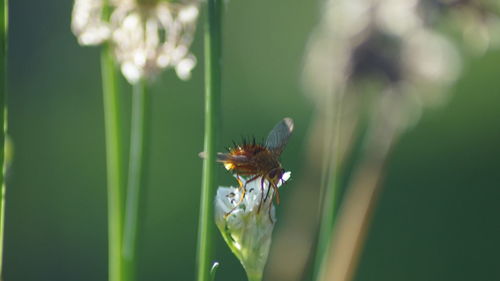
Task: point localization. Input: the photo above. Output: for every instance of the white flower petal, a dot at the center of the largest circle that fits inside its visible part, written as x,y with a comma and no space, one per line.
87,23
185,66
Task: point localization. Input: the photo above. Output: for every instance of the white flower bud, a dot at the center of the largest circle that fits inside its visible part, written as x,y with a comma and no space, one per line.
246,227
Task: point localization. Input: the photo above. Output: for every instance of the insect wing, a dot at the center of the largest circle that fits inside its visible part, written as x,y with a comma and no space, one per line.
226,157
278,137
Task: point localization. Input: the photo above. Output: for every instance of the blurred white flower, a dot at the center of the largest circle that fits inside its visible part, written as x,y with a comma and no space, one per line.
430,58
87,23
246,228
385,43
149,38
146,36
398,17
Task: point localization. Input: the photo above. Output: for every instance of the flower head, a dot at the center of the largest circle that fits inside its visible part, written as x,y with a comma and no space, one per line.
385,43
149,38
247,226
146,36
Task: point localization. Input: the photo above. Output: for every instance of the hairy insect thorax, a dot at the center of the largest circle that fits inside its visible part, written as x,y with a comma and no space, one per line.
267,161
260,160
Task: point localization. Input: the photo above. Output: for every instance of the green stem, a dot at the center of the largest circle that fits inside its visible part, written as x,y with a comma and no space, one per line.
327,116
329,202
112,118
254,277
134,211
212,115
3,116
326,225
342,169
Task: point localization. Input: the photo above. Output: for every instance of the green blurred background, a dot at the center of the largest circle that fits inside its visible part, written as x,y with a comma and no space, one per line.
438,216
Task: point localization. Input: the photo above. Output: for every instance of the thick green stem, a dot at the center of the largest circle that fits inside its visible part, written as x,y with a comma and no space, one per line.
134,208
212,115
3,117
254,277
112,118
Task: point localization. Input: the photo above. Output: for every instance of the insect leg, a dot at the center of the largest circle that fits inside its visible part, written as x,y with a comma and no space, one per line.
243,192
275,188
262,193
276,191
240,183
237,204
268,189
252,179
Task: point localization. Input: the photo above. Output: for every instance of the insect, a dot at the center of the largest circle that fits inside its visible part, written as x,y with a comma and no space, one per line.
254,161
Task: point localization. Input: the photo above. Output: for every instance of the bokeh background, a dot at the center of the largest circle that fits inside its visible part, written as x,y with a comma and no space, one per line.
438,215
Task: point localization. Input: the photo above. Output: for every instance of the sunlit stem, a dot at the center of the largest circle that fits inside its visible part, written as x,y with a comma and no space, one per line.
355,216
3,117
353,222
114,165
355,213
213,270
137,178
331,184
365,167
212,115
